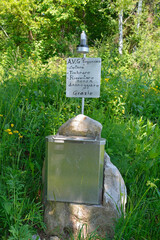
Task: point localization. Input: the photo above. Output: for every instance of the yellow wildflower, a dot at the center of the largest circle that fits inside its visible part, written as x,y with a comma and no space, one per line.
123,111
7,130
78,107
121,95
106,79
12,125
15,131
1,115
26,99
21,136
10,133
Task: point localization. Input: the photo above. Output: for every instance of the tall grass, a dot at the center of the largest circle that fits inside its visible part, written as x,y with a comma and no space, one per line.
33,105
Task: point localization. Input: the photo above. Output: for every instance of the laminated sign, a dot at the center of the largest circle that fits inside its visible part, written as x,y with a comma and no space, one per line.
83,77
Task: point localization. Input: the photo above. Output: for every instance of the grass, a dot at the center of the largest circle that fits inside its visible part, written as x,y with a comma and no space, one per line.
33,105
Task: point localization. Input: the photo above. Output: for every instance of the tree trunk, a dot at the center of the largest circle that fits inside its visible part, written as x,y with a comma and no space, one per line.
121,31
139,11
30,35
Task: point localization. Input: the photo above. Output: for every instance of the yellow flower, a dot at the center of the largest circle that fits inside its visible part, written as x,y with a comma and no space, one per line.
21,136
121,95
106,79
15,131
78,107
26,99
7,130
12,125
1,115
123,111
10,133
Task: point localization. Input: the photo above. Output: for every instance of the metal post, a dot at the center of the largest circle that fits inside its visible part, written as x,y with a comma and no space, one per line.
83,98
83,48
83,105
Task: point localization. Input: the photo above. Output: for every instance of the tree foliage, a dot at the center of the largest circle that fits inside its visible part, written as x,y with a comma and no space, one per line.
54,26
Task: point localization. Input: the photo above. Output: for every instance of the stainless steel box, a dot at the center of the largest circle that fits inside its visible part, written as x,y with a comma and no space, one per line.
74,169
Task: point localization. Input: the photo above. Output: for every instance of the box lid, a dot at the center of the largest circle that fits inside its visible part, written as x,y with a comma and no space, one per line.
62,139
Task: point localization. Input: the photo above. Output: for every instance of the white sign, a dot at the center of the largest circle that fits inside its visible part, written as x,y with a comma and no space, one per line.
83,77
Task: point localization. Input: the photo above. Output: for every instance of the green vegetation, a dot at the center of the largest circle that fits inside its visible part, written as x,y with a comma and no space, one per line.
36,38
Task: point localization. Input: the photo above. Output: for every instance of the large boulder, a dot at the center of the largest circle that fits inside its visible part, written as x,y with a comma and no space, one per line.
114,192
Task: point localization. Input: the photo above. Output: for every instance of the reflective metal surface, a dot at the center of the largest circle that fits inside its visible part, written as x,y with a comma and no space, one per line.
74,169
83,47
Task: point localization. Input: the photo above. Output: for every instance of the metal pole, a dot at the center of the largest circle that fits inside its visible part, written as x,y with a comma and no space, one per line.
83,98
83,48
83,105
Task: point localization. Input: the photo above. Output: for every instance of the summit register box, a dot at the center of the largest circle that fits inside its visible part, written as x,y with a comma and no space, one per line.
74,169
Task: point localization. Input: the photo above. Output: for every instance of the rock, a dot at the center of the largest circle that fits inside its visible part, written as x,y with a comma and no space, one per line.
115,192
36,237
63,219
54,238
81,125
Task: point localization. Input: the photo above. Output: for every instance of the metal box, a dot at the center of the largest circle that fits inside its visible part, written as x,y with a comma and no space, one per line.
74,169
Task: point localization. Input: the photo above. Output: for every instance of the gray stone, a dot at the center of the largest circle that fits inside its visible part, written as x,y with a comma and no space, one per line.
54,238
115,192
36,237
63,219
81,125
